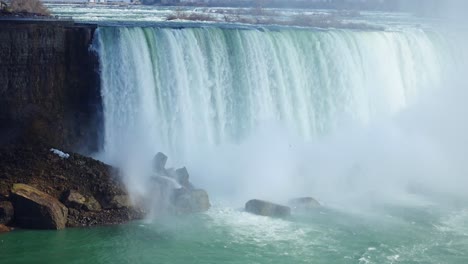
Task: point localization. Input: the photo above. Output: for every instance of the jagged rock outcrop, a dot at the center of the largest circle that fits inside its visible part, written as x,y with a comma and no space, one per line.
36,209
171,190
304,203
49,85
265,208
159,163
182,176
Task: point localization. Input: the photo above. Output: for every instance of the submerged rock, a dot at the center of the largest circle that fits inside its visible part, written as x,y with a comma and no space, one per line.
304,203
76,200
265,208
191,201
6,212
36,209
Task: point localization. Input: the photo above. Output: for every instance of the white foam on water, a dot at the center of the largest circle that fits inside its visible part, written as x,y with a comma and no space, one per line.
456,222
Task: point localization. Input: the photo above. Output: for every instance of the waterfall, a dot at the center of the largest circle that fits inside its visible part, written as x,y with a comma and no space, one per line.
177,90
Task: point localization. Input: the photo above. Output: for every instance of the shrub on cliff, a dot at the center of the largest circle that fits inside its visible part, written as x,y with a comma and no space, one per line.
29,6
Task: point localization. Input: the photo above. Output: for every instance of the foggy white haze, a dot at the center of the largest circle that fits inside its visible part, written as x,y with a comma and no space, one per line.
418,156
411,158
410,155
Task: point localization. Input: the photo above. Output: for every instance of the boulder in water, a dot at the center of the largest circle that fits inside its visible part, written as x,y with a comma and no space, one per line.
191,201
265,208
35,209
304,203
6,212
182,176
172,191
76,200
159,162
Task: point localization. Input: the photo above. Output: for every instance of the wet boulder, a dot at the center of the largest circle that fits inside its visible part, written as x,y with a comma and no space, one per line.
182,177
303,203
191,201
74,199
6,212
36,209
265,208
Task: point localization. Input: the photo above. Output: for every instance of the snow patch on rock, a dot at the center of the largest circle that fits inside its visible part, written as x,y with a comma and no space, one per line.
60,153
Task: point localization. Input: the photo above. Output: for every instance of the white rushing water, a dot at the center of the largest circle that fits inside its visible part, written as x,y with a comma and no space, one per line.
176,90
242,108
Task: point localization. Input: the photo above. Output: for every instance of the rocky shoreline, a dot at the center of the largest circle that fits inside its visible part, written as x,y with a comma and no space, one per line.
50,98
45,188
88,190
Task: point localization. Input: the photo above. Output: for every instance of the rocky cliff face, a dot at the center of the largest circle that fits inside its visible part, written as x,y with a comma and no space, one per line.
49,86
50,98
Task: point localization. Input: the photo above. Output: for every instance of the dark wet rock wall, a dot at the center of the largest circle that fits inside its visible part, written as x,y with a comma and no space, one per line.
49,86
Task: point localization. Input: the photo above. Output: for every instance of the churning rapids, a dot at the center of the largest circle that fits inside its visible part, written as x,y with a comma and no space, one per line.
371,123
